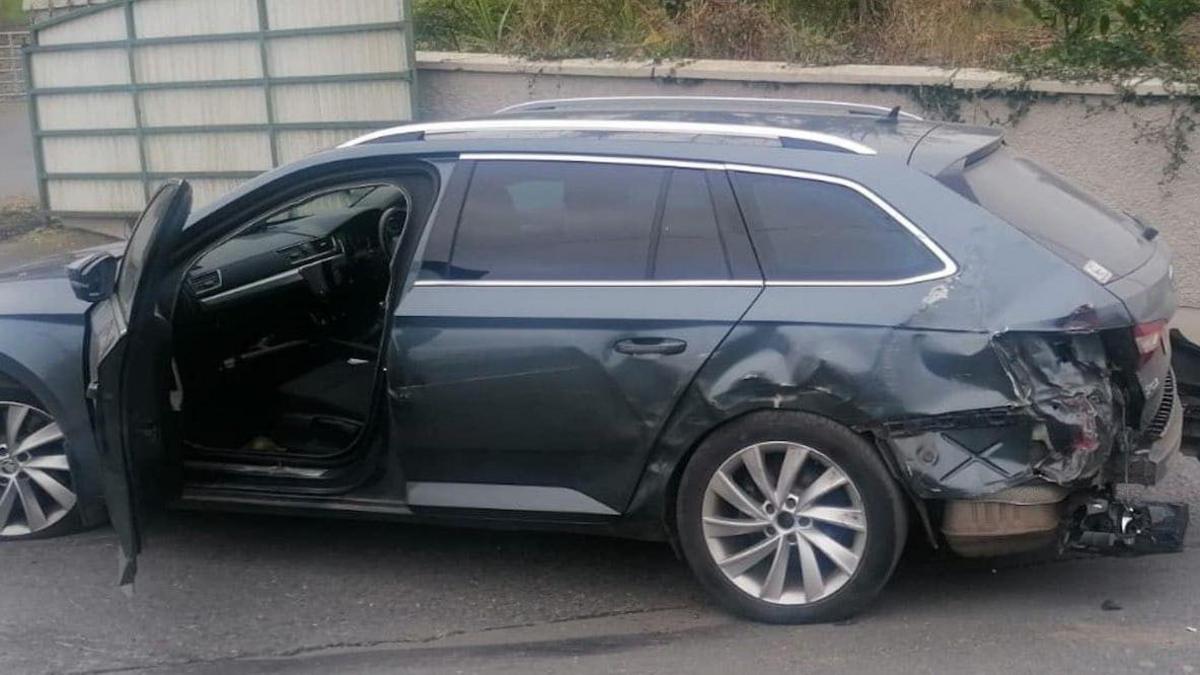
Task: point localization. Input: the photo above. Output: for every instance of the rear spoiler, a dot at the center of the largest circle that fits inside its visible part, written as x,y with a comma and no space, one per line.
950,148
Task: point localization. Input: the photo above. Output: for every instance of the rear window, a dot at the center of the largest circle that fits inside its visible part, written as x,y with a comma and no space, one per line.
1065,219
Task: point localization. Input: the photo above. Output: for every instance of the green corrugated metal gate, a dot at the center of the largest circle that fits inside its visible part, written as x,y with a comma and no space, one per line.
126,94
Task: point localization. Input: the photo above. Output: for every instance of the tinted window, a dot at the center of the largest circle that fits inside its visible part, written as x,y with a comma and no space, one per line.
326,202
689,243
807,230
134,260
556,220
1062,217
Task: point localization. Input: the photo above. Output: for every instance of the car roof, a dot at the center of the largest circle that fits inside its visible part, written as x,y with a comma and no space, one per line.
809,124
838,138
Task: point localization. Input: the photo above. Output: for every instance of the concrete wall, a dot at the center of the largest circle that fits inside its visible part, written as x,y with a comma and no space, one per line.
1098,149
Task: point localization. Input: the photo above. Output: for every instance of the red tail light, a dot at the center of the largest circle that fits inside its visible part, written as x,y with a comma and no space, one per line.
1150,338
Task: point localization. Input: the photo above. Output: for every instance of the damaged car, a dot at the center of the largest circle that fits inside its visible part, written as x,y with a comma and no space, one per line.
779,334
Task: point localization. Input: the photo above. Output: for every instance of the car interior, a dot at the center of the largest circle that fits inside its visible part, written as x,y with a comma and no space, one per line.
278,330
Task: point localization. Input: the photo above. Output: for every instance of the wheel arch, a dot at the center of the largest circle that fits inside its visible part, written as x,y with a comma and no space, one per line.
76,425
696,420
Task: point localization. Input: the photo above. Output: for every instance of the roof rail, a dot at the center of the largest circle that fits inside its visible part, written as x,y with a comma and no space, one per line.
788,137
583,103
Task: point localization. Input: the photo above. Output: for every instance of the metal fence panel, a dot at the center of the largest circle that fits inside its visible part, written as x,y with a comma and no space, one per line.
127,94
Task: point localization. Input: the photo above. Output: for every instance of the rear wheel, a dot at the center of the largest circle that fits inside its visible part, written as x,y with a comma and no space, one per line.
790,518
37,495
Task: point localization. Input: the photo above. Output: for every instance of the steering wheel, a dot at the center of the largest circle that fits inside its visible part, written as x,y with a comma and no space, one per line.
391,227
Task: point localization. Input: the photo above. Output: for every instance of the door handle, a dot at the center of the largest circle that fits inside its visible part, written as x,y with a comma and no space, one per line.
645,346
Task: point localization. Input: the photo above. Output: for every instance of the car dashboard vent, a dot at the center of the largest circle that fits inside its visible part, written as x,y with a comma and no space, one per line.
205,282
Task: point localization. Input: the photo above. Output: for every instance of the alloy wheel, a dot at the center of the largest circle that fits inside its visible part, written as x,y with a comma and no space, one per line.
35,475
784,523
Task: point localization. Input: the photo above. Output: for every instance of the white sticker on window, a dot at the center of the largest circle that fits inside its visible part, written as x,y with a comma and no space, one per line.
1098,272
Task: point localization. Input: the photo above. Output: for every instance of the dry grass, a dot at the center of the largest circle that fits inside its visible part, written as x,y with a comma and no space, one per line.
565,28
762,31
952,32
955,33
19,215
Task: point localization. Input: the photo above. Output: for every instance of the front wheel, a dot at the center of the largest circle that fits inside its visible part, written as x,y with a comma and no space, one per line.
790,518
37,497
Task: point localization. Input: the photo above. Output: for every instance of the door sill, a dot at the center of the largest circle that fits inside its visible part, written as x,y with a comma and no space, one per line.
199,498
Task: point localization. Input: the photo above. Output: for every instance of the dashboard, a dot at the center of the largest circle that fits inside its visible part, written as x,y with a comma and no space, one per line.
317,242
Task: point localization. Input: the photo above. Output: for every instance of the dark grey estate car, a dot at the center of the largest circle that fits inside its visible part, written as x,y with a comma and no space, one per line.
774,333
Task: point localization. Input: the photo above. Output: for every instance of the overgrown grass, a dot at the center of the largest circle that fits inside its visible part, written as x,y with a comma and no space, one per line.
11,14
956,33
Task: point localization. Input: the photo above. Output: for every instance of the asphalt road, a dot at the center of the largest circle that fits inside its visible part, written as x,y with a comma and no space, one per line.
227,593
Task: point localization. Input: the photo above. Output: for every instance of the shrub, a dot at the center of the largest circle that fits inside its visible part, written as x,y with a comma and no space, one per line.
777,30
472,25
1114,35
566,28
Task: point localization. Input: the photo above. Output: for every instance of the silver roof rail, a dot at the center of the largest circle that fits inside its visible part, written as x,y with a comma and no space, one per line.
566,103
418,131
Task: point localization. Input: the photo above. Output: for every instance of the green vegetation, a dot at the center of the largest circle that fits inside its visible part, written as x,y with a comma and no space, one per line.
1115,36
1115,41
1080,35
11,13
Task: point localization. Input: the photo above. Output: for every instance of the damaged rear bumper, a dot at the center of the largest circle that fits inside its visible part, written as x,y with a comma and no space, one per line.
1073,420
1147,464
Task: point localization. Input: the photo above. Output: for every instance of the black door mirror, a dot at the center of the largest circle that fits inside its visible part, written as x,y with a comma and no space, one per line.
92,277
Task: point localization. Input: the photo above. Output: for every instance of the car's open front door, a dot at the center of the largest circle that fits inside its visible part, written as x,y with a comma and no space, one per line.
129,362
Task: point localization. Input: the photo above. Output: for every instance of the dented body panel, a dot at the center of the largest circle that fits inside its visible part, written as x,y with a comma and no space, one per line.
1012,372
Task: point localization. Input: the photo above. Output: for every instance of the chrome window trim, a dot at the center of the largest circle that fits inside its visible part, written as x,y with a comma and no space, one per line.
617,126
949,266
592,159
734,99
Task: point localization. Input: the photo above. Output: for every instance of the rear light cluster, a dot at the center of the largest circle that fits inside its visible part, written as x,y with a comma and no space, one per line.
1150,339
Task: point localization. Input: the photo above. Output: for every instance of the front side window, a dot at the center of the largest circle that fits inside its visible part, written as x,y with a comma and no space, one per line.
580,221
326,202
134,259
815,231
556,220
690,243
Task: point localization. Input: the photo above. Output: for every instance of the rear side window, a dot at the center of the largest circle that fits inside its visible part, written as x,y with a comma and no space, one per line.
813,231
575,221
690,243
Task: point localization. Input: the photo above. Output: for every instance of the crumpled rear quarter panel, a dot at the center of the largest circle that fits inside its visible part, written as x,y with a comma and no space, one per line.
971,384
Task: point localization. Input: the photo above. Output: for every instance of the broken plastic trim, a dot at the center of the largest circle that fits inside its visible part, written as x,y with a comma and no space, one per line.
1108,525
1063,421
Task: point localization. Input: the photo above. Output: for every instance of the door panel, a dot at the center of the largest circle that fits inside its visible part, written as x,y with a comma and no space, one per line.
526,385
560,311
127,352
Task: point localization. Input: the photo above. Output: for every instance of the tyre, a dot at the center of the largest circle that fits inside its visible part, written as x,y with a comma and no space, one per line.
37,493
790,518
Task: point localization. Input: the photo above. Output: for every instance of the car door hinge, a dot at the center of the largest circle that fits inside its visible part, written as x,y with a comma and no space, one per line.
93,391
